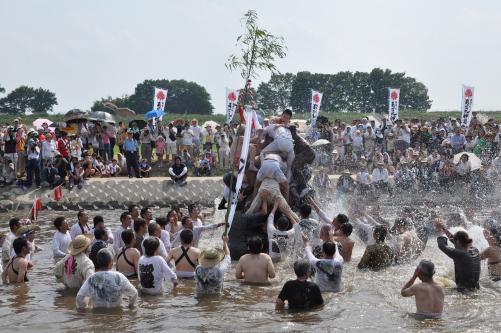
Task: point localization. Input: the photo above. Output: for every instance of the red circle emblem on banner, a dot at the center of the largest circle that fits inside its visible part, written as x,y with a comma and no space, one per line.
394,95
160,95
316,98
232,96
468,92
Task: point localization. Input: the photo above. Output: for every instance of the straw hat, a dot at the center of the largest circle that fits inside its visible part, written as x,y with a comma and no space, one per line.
346,172
211,257
27,229
79,244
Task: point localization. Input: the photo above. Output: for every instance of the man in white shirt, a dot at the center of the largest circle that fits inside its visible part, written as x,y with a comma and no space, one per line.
380,177
329,268
81,227
187,223
105,288
62,238
14,225
126,222
153,269
279,239
282,140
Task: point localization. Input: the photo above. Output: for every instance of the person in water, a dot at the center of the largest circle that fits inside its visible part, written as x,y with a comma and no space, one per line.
209,275
255,267
379,255
466,257
300,294
345,242
493,253
429,294
62,238
75,267
185,256
17,268
329,268
153,269
105,287
128,256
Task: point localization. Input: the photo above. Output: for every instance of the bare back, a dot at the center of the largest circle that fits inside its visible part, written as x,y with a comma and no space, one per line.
429,297
182,264
127,261
256,268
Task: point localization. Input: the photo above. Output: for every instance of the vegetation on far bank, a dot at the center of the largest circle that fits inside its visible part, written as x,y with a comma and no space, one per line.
220,118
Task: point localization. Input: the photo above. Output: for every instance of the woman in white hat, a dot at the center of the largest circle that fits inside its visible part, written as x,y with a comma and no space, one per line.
214,263
75,267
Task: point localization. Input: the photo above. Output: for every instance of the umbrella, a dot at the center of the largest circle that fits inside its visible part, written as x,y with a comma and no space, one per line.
58,124
476,163
154,114
210,123
38,123
105,117
140,123
321,142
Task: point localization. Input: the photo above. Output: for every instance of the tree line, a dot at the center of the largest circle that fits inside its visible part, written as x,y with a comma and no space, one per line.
342,92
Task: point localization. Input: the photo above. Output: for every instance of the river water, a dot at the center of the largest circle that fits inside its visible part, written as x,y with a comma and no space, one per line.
368,302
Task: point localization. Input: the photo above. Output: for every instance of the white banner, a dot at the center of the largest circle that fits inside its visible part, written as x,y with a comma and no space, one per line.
231,103
393,103
248,114
466,105
159,99
316,100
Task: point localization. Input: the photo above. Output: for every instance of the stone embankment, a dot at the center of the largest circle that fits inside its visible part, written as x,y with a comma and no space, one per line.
109,193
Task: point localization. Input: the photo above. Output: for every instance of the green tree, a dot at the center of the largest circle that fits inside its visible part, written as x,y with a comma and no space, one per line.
28,99
183,97
275,95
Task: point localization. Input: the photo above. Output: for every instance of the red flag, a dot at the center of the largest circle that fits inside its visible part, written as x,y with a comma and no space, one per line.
35,209
58,193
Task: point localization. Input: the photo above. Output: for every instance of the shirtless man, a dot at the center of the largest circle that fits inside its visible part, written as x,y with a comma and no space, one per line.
343,238
185,256
128,256
17,268
493,253
407,244
255,267
429,294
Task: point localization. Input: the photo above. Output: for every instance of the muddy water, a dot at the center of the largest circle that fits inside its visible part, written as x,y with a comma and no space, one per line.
368,302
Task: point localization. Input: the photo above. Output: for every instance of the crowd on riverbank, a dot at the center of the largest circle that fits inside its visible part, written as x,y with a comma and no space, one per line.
276,218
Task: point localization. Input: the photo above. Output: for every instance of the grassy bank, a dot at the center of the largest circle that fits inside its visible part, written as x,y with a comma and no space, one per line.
220,118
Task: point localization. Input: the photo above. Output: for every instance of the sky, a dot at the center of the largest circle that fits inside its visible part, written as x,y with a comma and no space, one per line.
85,50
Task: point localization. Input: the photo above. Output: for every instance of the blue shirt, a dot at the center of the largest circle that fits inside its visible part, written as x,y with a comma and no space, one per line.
130,145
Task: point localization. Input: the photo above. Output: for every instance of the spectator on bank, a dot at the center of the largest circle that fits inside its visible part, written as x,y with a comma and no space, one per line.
178,172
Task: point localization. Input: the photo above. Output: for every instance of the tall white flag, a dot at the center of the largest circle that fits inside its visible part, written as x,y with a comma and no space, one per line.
248,115
231,103
393,104
159,99
466,105
316,100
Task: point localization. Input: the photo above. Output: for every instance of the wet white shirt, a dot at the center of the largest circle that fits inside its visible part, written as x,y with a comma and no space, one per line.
282,238
380,175
76,230
60,244
152,272
105,289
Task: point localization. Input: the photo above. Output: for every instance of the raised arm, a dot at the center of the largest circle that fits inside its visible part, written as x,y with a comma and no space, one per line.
407,289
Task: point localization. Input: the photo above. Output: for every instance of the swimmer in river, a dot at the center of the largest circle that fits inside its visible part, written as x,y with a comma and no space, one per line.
493,253
255,267
429,294
185,256
343,238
